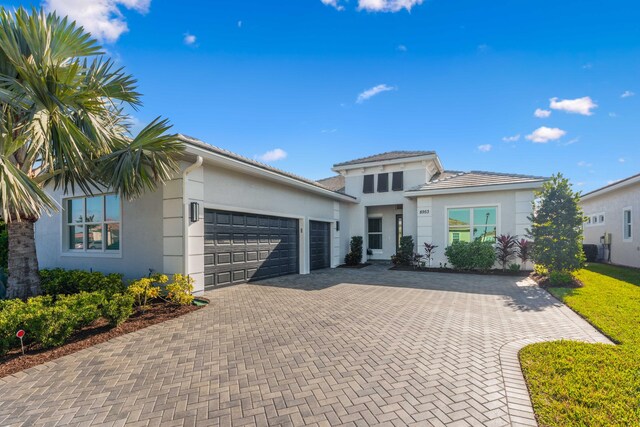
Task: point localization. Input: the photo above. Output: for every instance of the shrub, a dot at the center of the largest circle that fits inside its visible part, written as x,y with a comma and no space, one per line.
404,256
146,289
524,250
11,318
590,252
67,282
85,307
475,255
556,227
514,267
354,256
180,291
560,278
429,250
118,308
505,249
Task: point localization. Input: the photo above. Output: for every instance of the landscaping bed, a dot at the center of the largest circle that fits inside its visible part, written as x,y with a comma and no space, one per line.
580,384
96,333
519,273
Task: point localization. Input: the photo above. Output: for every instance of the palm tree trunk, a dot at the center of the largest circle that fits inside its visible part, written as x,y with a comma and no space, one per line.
24,279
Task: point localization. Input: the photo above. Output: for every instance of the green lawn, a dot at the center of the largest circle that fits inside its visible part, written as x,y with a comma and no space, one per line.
578,384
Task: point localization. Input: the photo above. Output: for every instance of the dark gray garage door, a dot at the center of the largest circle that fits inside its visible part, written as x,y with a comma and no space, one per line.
239,247
320,246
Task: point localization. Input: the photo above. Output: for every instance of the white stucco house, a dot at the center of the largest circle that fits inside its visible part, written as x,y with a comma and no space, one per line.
613,221
228,219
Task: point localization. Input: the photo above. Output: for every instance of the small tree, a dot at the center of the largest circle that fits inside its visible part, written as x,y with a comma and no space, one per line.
355,254
505,249
524,251
556,227
404,256
429,250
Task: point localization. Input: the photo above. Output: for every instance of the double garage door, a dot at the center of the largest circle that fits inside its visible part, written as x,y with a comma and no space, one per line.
239,247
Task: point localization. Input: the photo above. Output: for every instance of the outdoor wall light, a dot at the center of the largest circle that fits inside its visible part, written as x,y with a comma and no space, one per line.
194,211
337,225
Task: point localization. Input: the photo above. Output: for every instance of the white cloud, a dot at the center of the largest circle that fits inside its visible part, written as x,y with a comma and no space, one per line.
513,138
485,147
102,18
369,93
613,114
627,94
582,105
273,155
622,160
239,24
587,66
571,141
387,5
189,39
579,184
543,134
541,114
333,3
483,48
584,164
329,131
401,48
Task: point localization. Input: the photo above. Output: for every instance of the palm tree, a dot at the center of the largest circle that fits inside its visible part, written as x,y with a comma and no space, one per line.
63,126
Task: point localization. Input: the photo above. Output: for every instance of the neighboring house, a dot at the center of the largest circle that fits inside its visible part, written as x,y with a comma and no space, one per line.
246,220
613,221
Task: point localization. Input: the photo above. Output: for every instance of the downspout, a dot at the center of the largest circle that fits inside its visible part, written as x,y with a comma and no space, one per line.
185,212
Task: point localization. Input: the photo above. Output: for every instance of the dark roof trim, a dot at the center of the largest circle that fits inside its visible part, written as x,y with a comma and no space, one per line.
612,186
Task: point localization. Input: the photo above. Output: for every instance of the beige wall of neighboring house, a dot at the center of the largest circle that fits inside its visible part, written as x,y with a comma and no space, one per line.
606,210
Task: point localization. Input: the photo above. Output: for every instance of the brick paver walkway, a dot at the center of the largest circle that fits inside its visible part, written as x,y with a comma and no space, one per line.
353,347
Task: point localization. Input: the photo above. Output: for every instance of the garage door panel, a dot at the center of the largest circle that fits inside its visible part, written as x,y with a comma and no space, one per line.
241,247
319,244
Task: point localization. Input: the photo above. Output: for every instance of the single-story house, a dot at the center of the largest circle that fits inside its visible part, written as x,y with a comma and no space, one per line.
613,221
228,219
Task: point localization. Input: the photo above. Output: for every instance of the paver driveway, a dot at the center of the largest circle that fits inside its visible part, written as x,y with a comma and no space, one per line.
357,347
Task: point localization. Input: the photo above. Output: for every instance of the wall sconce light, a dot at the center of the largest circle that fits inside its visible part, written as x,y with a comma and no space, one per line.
337,225
194,211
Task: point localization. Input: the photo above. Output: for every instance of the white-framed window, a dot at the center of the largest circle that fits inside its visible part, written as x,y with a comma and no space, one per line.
595,219
627,232
92,224
467,224
374,233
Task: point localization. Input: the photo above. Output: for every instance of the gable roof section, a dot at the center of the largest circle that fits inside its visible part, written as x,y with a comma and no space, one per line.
612,187
474,181
259,165
389,155
334,183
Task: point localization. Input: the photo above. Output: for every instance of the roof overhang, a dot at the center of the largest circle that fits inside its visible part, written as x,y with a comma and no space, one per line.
213,157
417,159
635,179
531,185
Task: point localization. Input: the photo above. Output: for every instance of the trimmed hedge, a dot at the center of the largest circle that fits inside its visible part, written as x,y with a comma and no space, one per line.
68,282
474,255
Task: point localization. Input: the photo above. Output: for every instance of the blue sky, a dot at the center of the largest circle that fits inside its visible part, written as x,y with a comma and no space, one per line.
326,81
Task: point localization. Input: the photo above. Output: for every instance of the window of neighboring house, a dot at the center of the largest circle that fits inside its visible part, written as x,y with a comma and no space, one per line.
383,182
397,183
601,218
627,233
467,224
375,233
93,224
367,186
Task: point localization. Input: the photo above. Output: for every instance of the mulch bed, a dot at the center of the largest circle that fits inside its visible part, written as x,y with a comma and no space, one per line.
520,273
96,333
366,264
543,282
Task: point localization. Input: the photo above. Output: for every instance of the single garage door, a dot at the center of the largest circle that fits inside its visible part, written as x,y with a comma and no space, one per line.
239,247
320,244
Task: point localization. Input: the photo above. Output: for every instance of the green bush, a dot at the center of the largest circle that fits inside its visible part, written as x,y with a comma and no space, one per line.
12,313
514,267
354,257
590,252
560,278
404,256
474,255
180,291
85,307
118,308
67,282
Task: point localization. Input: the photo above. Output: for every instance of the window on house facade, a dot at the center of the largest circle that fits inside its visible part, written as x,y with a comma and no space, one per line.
627,233
367,185
467,224
397,183
375,233
93,224
383,182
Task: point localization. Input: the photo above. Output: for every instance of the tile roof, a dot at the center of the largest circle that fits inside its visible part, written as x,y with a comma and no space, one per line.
456,179
334,183
390,155
226,153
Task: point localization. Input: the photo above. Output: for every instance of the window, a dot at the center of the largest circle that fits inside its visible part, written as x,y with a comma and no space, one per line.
601,218
397,182
375,233
466,224
383,182
367,186
93,224
595,219
627,234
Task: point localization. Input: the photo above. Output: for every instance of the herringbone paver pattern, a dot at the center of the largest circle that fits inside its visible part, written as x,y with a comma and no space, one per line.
338,347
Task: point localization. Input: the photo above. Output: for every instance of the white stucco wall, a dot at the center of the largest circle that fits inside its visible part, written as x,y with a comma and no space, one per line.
513,208
612,204
388,215
140,240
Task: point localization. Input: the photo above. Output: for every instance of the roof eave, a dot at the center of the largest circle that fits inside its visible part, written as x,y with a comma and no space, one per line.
337,168
531,185
611,187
